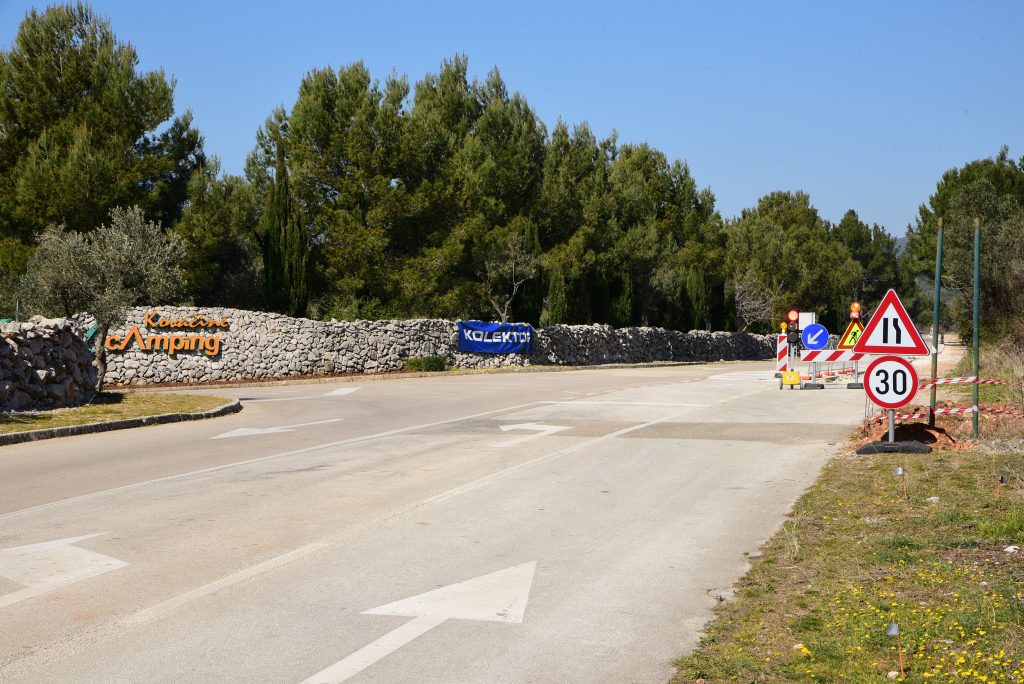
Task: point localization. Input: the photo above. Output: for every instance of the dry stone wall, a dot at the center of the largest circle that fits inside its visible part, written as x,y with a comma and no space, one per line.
234,345
44,364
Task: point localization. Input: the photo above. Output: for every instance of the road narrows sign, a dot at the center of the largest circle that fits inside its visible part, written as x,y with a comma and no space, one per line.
852,334
891,382
891,331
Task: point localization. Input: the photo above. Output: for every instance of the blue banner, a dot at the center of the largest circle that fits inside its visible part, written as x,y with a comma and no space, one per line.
495,338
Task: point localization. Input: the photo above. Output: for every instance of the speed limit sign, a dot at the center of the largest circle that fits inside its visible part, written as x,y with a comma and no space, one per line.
891,382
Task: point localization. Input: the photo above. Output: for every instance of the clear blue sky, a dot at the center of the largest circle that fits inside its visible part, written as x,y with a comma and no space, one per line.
863,105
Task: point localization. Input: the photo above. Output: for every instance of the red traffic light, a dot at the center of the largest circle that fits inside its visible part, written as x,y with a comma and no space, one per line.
793,315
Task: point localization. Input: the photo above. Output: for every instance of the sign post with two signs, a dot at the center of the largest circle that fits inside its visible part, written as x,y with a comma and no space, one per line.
891,381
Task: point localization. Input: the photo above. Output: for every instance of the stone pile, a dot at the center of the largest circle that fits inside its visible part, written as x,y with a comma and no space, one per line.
44,364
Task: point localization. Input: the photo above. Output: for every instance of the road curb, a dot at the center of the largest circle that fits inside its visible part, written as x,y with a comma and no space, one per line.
89,428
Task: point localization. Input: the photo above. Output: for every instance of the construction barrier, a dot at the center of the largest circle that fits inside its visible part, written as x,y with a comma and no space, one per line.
782,353
829,355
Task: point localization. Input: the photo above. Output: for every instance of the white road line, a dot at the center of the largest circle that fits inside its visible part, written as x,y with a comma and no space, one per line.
260,459
267,401
171,604
593,402
246,431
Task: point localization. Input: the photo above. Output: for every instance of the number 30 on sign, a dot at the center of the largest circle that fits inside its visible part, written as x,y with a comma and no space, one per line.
890,382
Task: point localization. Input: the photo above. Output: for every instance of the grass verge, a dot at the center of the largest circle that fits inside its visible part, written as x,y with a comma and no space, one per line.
854,556
107,407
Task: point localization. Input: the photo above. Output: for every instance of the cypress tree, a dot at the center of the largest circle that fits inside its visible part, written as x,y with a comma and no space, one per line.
285,247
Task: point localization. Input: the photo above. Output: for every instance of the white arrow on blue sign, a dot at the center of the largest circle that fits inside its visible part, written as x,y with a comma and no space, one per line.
814,336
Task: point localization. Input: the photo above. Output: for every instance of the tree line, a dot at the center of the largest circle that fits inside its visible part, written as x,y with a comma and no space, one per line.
446,198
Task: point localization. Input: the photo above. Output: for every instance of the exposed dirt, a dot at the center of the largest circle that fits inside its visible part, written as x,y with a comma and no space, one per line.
935,437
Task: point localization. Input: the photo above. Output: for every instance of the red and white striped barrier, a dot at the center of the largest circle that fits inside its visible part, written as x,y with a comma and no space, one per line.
782,353
830,355
970,379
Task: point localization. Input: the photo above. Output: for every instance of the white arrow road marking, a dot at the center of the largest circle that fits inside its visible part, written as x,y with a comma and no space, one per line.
48,566
496,597
245,432
342,392
541,430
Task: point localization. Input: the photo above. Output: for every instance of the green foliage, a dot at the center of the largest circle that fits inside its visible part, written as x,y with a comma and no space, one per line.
426,364
78,128
285,247
991,190
222,255
783,247
79,134
129,262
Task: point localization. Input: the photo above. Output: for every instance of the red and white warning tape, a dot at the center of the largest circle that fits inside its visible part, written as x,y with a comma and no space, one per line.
959,381
900,417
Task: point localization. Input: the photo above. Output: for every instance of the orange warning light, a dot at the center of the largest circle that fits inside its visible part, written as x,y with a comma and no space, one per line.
855,306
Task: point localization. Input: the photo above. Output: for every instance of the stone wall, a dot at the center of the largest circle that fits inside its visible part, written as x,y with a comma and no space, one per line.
258,346
44,364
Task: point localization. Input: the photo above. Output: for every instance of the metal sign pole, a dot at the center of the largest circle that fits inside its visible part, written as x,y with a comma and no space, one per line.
892,425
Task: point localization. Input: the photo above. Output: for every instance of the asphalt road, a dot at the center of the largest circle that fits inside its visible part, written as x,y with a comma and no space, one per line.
544,527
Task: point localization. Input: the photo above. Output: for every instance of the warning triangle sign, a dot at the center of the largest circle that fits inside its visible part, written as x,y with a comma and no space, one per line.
851,335
890,331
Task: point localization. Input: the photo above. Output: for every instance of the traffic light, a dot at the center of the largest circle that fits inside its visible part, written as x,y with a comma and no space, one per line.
793,326
793,319
855,310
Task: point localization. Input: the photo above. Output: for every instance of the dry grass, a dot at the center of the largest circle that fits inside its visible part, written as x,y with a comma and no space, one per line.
107,407
855,556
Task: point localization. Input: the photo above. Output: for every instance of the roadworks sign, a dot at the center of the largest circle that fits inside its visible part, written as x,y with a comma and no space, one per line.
851,335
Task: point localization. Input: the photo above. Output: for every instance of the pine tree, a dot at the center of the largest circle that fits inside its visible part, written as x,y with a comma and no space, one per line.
285,247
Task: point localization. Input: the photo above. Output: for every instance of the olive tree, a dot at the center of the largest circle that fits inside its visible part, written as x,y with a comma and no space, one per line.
128,262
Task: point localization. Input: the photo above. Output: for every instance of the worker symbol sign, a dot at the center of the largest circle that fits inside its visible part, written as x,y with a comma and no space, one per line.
890,382
851,335
890,331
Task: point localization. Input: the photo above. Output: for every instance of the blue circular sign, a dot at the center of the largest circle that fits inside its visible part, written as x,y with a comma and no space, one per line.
814,336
